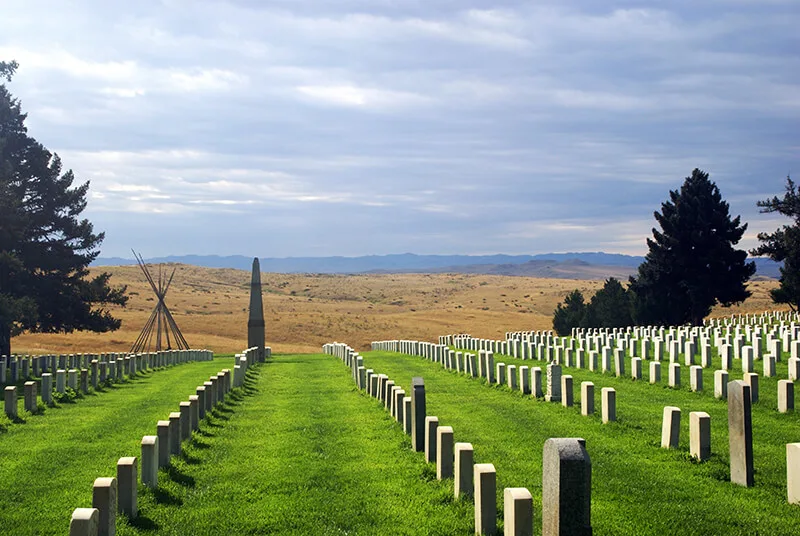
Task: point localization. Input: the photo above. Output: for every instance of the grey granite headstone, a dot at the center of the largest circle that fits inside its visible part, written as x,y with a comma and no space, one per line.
566,488
740,433
418,414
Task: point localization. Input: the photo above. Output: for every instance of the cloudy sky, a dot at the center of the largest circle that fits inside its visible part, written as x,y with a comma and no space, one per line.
352,127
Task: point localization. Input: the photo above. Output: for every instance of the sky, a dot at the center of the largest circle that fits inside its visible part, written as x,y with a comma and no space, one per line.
294,128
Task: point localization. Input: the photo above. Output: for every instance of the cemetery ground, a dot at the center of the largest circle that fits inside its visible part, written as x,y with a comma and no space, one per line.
300,450
637,487
303,311
296,451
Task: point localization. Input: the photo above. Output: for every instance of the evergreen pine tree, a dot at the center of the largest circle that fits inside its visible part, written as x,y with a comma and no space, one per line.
691,264
610,307
783,245
45,248
570,314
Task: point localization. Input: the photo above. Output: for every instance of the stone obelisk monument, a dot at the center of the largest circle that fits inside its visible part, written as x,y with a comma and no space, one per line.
255,323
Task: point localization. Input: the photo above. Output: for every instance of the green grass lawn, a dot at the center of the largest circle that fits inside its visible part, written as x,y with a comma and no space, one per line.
637,487
48,463
301,451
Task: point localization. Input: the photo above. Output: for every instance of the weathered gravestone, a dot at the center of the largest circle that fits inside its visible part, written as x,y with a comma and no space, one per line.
463,470
566,488
418,414
671,427
150,461
431,425
485,482
740,433
84,522
444,452
127,479
104,498
700,435
517,512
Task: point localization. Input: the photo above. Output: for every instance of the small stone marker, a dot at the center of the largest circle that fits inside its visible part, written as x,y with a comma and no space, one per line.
566,488
671,427
201,401
517,512
769,366
150,461
553,383
84,522
164,441
674,375
525,379
740,433
418,414
186,428
175,433
47,388
407,414
785,396
793,472
61,381
127,480
85,381
30,397
463,469
444,452
511,376
104,498
747,359
696,378
655,372
794,368
536,382
700,435
11,401
386,395
636,368
567,392
721,384
431,425
485,482
608,401
501,373
399,396
194,412
751,379
587,398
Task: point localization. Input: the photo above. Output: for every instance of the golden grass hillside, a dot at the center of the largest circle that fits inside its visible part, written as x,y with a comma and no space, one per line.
304,311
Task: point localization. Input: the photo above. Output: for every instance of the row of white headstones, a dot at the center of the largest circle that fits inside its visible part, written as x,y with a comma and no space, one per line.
112,495
566,501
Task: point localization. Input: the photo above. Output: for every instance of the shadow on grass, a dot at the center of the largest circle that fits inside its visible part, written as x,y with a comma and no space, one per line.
217,413
200,445
143,523
163,496
188,459
180,478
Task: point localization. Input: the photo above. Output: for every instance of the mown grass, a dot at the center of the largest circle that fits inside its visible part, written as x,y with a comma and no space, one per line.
637,487
301,451
48,461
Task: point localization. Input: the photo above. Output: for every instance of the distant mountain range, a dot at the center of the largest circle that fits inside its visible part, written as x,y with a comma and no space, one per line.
593,265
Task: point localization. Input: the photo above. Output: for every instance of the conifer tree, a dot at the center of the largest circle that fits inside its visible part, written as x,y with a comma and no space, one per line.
691,264
610,307
570,314
45,248
783,245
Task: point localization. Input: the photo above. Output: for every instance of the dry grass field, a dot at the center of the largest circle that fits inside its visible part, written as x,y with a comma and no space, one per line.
303,312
